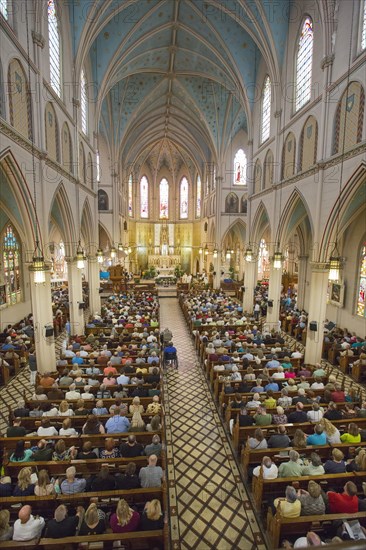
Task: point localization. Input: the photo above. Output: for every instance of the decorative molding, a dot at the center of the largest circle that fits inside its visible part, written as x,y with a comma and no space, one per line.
250,142
320,267
278,113
75,102
327,61
38,39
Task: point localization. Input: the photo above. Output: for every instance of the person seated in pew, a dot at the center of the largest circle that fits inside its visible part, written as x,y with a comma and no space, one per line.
292,468
21,410
129,479
55,393
117,423
151,475
104,481
72,393
291,385
16,429
305,371
136,406
257,441
332,412
120,393
87,394
6,530
92,369
49,409
298,416
312,502
311,539
155,424
110,449
46,429
65,379
290,373
67,430
103,392
317,384
358,463
290,506
43,452
352,435
349,411
301,397
270,401
335,465
137,423
61,453
338,396
152,517
343,503
80,409
318,437
99,408
154,407
254,402
314,467
21,454
258,388
237,403
269,469
65,409
262,418
109,380
46,380
27,527
131,448
63,525
154,390
125,519
87,452
332,433
303,384
25,485
285,400
72,484
279,417
280,439
93,522
44,486
93,426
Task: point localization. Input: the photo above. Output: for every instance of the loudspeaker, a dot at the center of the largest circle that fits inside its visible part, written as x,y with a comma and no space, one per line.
49,331
270,303
81,305
313,325
330,325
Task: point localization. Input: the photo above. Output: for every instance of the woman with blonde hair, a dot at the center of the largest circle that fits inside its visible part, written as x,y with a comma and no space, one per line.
332,433
152,516
312,502
6,532
64,409
93,522
24,486
299,440
44,487
124,519
137,423
61,453
279,417
249,375
155,424
67,430
358,464
136,406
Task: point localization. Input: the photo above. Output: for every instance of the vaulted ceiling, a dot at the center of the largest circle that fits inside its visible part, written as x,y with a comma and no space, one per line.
177,71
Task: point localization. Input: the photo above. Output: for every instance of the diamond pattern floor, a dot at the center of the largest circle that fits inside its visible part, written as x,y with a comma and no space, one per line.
209,506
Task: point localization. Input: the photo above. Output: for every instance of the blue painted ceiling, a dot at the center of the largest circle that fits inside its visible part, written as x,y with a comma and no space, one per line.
177,70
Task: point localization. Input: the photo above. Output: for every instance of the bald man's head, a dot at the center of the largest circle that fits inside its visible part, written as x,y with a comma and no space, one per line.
153,460
25,513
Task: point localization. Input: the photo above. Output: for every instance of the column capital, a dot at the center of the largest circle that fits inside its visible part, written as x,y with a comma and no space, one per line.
303,257
319,266
38,39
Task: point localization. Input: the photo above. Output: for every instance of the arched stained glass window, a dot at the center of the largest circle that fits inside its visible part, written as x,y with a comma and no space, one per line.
263,260
83,102
130,196
240,168
361,296
363,28
10,285
54,48
304,62
266,109
198,197
144,197
183,203
4,8
164,199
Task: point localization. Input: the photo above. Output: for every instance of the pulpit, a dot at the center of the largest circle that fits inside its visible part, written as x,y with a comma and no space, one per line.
119,278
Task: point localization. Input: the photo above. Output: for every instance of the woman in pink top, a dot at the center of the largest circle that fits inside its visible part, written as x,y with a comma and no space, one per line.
109,380
125,519
290,373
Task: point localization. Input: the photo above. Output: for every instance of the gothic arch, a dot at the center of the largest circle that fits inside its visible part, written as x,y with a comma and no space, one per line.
61,214
268,170
260,225
237,231
294,215
86,228
349,118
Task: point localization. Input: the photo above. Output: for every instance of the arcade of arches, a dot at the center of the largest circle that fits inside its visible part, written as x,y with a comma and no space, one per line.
172,136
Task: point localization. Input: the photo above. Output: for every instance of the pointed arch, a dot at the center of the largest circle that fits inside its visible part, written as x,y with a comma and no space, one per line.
295,213
261,224
349,118
235,233
288,156
86,225
268,170
61,214
19,99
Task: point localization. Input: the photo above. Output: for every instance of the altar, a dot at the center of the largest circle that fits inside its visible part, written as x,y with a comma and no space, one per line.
164,264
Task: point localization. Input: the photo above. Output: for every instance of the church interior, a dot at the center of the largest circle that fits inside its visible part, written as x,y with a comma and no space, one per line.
163,266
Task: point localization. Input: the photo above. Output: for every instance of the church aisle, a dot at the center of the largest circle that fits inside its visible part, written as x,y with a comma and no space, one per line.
209,506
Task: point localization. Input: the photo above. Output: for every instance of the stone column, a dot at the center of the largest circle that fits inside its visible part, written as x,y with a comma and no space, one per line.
42,317
317,312
217,270
301,285
250,279
75,298
274,295
94,284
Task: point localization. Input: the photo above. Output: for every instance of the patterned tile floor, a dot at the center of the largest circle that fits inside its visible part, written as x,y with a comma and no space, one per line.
209,506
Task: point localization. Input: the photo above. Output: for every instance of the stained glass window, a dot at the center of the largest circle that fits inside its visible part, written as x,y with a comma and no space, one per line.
130,197
10,287
164,199
54,48
263,261
361,310
4,8
363,30
199,197
83,102
240,168
266,110
183,209
304,61
144,197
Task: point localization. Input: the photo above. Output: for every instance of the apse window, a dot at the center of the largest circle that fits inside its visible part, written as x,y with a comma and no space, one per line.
144,197
304,62
130,196
83,102
54,48
240,168
361,310
266,110
183,210
363,27
4,8
164,199
198,197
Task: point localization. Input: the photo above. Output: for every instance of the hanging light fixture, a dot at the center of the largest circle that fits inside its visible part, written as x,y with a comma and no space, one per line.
335,264
38,266
100,256
120,246
129,250
277,259
80,257
228,254
249,254
200,250
215,253
206,250
113,252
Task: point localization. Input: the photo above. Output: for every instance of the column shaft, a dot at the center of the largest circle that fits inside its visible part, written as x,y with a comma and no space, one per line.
301,285
274,295
317,312
94,284
42,317
250,276
75,298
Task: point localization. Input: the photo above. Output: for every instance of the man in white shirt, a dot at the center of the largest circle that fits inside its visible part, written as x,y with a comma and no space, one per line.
72,394
27,527
318,384
87,393
296,354
316,414
269,469
279,374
